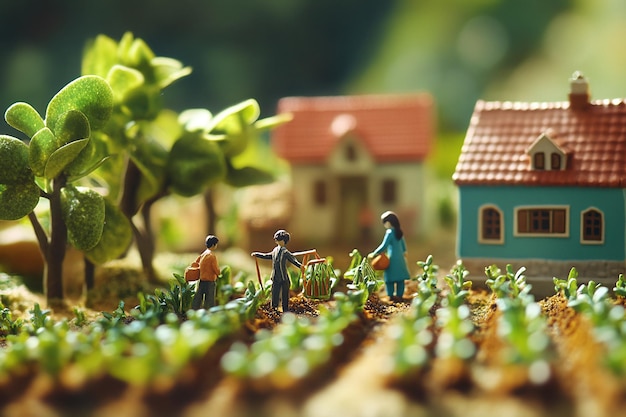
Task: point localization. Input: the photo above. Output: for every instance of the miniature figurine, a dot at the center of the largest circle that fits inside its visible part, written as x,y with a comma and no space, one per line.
209,271
394,246
280,277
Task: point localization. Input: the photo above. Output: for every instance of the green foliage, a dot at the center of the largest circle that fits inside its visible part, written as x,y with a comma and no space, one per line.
594,302
24,118
569,286
61,150
415,329
236,130
364,278
81,107
620,286
223,287
456,328
591,298
132,349
459,287
521,323
18,200
508,284
135,73
39,319
14,167
89,96
115,238
154,309
80,319
115,319
83,213
9,325
193,153
295,348
319,279
195,163
428,276
247,305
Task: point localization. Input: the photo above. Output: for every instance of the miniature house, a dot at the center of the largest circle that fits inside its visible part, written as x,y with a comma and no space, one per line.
352,158
543,185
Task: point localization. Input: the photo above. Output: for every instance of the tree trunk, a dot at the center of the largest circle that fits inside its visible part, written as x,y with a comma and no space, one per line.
90,274
210,208
144,239
53,273
132,179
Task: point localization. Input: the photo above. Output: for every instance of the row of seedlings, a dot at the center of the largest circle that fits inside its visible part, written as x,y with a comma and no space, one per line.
149,348
300,348
435,332
608,317
525,354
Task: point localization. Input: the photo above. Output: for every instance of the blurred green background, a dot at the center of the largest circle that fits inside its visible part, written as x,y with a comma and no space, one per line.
459,50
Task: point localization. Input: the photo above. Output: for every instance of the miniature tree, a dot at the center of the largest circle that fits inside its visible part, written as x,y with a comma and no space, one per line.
158,153
63,148
134,172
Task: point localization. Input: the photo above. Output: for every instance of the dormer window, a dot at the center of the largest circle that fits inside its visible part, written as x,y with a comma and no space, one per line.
546,154
350,152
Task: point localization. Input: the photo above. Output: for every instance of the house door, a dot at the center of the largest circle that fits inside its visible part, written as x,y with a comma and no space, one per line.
352,200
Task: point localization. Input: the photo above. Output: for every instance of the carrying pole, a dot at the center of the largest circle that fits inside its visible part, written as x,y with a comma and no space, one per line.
258,273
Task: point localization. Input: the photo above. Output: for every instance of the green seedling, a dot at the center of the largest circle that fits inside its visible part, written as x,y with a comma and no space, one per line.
364,278
459,287
620,286
9,325
569,286
454,338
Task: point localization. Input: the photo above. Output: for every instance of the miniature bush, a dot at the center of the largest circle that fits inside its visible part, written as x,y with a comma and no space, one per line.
64,147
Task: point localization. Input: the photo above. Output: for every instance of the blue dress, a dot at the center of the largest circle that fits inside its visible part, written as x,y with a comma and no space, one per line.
395,249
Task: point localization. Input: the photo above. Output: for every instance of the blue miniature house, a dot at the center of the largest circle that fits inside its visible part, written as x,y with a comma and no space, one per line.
543,185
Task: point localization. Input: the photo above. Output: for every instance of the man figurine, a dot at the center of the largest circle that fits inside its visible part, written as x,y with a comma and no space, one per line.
209,271
280,276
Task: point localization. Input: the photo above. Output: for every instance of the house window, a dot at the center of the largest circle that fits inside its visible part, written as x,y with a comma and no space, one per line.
592,226
320,193
539,159
555,161
350,152
389,191
542,221
490,225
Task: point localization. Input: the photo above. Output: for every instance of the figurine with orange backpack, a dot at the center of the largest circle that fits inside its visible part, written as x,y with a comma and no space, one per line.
205,270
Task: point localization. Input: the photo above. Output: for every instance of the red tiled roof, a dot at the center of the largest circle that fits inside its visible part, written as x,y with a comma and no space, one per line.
594,138
394,128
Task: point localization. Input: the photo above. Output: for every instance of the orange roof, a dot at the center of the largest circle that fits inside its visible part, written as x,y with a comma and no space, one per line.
495,150
394,128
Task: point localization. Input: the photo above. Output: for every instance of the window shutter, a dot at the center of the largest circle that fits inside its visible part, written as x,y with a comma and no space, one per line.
522,221
558,221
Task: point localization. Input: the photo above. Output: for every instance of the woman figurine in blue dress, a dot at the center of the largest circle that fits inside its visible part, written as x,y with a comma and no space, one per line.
395,247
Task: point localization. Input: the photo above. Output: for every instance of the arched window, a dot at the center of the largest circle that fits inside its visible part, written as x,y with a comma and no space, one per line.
540,160
555,161
490,225
593,226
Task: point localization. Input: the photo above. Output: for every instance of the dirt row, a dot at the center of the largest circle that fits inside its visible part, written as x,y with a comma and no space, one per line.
357,381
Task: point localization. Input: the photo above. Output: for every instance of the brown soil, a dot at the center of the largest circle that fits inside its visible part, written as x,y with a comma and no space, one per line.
356,381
